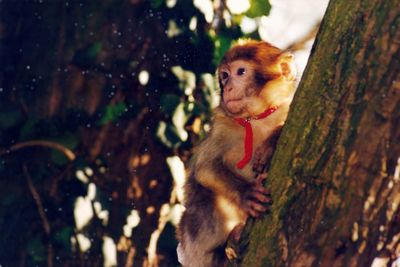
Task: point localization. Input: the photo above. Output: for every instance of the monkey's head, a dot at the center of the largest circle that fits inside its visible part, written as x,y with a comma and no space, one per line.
254,76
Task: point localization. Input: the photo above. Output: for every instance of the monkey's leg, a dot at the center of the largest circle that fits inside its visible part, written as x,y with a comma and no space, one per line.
202,246
199,253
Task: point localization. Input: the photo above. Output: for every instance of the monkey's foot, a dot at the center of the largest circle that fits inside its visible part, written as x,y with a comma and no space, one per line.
230,253
257,200
231,249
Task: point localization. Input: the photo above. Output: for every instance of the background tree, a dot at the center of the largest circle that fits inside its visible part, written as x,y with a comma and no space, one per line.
335,176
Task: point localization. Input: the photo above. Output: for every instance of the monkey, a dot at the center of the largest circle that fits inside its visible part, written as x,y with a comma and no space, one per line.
257,83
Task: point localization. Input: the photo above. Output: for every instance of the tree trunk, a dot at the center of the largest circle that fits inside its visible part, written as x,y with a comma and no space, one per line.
335,174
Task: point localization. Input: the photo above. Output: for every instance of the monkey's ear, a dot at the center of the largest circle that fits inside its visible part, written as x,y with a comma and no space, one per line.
287,66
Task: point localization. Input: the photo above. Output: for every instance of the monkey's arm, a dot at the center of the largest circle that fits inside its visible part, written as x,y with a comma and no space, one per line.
212,172
231,157
213,164
215,168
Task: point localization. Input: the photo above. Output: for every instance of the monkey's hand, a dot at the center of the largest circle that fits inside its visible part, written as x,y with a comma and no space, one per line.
257,199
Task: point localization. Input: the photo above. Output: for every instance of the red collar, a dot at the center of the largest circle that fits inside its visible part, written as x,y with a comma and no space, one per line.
248,139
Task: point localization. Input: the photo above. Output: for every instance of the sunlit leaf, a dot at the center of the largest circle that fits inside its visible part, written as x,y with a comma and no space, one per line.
258,8
179,119
196,126
210,90
187,79
237,19
248,25
167,135
206,7
238,7
192,108
173,29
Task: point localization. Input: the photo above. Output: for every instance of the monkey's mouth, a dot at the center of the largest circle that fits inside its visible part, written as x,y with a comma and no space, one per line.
233,101
234,105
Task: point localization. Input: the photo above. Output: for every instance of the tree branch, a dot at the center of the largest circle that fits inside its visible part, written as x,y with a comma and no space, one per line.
300,44
42,215
66,151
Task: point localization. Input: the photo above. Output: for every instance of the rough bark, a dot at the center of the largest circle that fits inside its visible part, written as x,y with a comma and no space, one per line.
335,174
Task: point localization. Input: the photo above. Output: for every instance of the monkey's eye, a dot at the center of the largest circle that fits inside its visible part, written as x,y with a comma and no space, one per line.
241,71
224,75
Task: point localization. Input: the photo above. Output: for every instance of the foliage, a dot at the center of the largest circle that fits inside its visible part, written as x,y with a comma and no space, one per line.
120,85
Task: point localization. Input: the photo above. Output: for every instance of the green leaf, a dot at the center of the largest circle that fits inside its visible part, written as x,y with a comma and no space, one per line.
94,50
10,118
58,158
156,3
36,250
222,44
28,129
258,8
169,102
68,140
63,236
112,113
9,199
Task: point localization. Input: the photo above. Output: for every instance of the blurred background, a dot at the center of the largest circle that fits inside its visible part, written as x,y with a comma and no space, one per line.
101,103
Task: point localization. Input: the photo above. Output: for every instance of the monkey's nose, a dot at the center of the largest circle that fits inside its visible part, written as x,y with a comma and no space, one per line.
229,88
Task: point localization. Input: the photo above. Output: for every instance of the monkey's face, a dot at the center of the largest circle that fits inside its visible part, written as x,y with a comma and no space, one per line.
236,80
253,77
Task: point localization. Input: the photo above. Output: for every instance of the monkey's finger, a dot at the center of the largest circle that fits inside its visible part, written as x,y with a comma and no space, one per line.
255,206
261,177
261,189
253,213
255,209
261,197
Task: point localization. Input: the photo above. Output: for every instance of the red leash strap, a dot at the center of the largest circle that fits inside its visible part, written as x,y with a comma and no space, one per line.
248,138
248,142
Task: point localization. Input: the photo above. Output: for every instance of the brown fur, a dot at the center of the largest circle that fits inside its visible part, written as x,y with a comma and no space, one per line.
216,190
